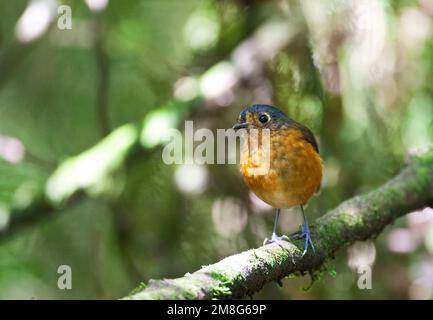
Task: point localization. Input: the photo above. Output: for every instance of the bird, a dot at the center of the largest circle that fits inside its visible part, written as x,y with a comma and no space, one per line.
295,166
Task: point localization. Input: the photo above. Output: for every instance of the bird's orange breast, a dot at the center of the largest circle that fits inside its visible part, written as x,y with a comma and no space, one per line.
295,170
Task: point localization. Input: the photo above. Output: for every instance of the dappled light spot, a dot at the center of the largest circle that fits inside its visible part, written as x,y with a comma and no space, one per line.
420,290
186,89
422,286
218,80
414,27
4,218
427,5
11,149
266,43
367,42
416,128
191,178
401,241
361,254
331,172
229,216
91,170
244,58
156,127
226,99
420,217
419,222
428,240
271,37
358,27
202,30
25,194
35,20
97,5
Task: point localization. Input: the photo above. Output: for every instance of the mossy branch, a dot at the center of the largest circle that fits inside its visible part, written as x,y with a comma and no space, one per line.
359,218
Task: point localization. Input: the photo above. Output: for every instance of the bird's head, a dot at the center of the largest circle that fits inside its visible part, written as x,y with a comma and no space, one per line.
260,116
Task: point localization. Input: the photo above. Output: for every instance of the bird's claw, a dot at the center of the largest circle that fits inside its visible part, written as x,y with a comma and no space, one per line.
297,235
304,233
276,239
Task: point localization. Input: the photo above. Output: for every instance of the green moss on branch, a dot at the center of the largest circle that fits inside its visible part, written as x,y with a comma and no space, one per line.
359,218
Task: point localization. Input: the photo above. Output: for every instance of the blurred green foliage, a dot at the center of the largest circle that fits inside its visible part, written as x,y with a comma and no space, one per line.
358,73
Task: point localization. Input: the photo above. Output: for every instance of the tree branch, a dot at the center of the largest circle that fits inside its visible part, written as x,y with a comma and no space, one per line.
359,218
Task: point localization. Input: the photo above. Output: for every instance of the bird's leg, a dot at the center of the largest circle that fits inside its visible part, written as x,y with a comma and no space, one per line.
304,234
274,238
277,216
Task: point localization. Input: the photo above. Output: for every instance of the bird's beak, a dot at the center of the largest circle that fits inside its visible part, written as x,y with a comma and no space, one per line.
238,126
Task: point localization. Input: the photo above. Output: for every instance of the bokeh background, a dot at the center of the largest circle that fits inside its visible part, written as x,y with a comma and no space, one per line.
84,113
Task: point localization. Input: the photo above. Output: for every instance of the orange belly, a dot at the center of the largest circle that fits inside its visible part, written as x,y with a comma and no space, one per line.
295,170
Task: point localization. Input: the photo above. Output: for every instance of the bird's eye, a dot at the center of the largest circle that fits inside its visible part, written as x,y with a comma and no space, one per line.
263,118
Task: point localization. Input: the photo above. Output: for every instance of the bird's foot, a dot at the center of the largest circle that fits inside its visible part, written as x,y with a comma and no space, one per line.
304,233
276,239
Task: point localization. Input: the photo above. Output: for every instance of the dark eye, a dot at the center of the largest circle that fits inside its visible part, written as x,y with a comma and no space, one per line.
263,118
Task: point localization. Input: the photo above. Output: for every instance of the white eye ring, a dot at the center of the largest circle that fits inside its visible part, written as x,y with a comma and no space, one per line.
263,118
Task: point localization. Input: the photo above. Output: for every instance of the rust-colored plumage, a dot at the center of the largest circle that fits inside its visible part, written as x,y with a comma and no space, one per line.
295,171
295,167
